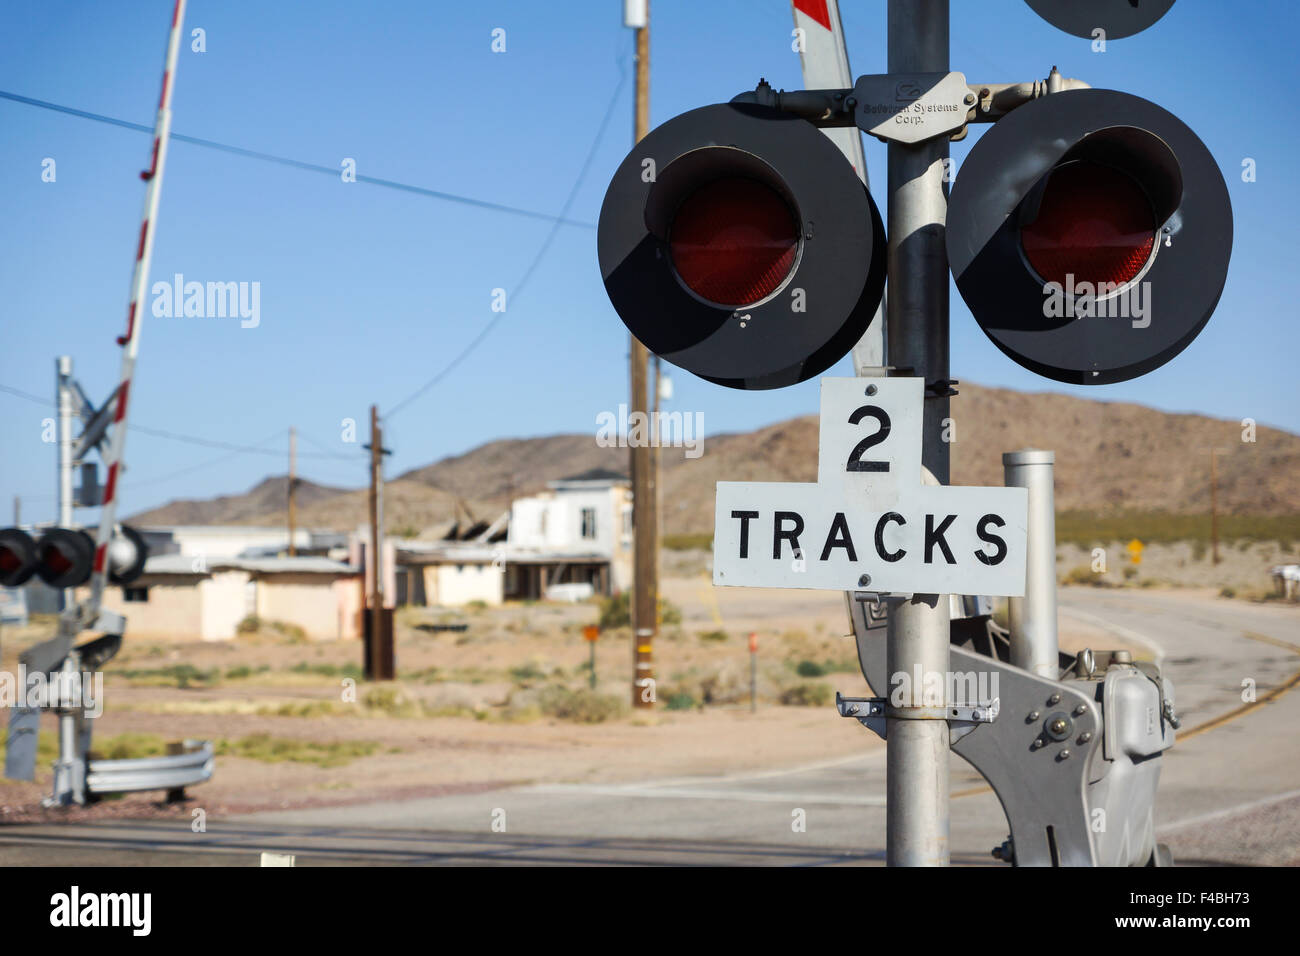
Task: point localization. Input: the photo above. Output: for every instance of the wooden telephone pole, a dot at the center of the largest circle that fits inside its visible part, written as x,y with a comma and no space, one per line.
645,523
379,658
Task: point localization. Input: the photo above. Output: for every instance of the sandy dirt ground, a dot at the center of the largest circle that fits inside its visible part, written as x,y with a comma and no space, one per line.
468,711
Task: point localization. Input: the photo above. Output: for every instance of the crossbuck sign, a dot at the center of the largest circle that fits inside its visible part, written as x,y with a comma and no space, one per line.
869,523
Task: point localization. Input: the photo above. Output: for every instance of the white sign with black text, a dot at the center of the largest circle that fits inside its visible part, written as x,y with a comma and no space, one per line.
869,523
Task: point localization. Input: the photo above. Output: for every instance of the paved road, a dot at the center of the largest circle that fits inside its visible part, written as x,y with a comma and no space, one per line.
1230,793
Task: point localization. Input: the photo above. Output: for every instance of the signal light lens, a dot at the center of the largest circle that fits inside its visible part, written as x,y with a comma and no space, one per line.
54,560
1094,222
733,241
9,561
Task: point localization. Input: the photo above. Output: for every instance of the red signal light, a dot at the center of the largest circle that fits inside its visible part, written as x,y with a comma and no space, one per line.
63,557
17,557
1094,222
733,241
54,561
9,561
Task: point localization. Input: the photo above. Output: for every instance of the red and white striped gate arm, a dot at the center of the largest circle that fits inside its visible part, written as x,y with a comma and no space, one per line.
130,342
825,59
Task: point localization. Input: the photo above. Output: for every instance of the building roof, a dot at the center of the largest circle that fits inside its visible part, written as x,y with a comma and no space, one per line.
593,476
198,564
225,529
466,552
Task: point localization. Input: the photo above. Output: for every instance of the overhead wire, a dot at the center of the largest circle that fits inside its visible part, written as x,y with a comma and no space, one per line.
537,258
299,164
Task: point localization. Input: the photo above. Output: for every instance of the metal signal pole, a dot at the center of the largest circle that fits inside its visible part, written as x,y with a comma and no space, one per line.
916,815
645,523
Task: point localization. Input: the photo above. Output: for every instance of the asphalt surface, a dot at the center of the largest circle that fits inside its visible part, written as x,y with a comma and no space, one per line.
1229,791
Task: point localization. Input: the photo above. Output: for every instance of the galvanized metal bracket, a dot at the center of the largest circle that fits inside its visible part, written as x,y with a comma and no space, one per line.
908,107
874,713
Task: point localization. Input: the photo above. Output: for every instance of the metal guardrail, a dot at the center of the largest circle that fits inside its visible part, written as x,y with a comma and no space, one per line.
153,773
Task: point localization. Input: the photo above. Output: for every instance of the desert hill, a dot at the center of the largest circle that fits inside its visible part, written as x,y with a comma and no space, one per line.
1111,457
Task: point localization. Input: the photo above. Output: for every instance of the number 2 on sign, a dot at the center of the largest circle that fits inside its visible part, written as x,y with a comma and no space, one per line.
875,438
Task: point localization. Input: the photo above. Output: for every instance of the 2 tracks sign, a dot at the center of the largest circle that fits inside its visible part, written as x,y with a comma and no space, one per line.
869,523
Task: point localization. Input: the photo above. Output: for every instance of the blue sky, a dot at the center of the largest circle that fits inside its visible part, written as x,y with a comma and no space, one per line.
367,292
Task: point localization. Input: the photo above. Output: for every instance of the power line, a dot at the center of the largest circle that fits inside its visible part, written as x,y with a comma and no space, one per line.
129,484
561,220
190,439
541,252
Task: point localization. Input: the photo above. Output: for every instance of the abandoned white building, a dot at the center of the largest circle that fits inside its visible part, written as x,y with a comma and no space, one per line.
572,539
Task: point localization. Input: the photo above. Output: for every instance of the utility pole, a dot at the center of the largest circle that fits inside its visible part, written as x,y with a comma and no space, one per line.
916,816
379,637
293,486
645,523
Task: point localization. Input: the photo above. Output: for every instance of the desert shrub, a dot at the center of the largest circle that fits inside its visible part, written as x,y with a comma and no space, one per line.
1082,574
688,542
681,701
583,706
808,668
270,749
249,625
129,746
807,694
1227,592
714,636
1088,528
1130,573
243,672
616,611
526,672
293,632
391,701
175,675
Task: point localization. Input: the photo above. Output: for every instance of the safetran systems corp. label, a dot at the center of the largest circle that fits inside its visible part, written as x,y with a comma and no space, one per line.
911,107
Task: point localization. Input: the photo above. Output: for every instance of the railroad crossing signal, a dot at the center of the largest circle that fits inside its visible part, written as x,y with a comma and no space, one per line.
869,523
737,242
1089,233
64,558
